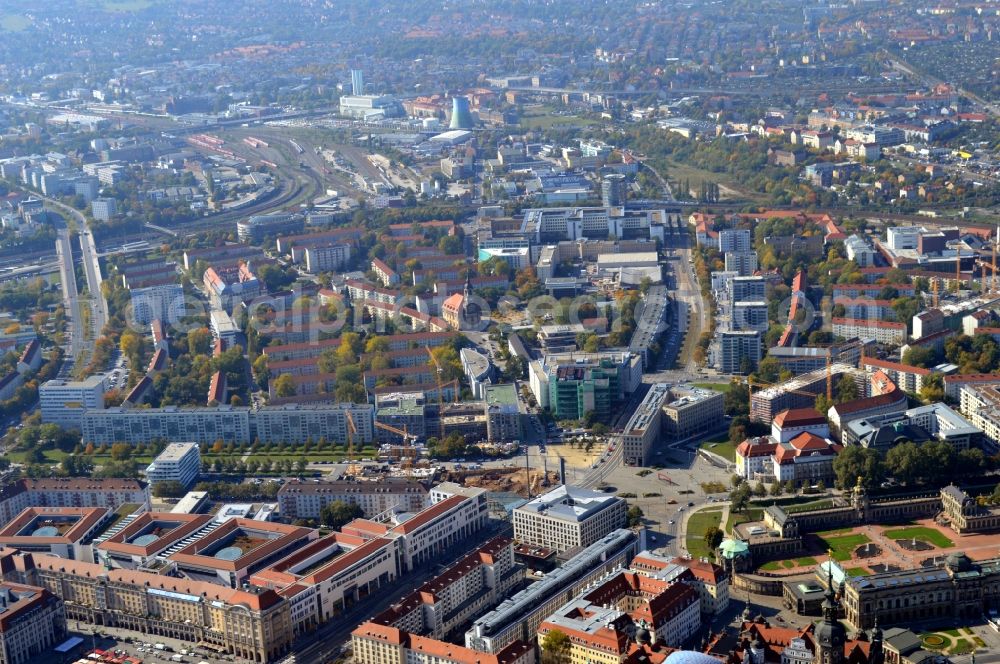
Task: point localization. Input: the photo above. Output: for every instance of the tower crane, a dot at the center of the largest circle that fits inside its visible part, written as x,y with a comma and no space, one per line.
353,468
437,365
408,456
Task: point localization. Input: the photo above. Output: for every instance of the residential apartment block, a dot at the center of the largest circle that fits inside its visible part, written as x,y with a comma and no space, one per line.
305,499
284,423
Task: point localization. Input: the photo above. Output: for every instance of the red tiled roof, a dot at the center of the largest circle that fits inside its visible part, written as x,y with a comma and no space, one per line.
706,572
972,378
797,417
799,283
748,448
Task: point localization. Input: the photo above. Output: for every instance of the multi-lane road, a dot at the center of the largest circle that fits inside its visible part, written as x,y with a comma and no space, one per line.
92,268
71,298
78,336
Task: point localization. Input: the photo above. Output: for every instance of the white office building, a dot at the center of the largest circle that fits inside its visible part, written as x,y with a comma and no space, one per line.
370,106
643,431
568,517
179,462
223,327
64,402
903,237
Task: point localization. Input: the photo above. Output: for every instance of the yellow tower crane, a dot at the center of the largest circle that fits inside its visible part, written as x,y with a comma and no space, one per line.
353,468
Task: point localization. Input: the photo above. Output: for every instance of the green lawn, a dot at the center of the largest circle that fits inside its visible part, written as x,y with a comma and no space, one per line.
14,23
935,640
127,509
930,535
696,527
101,459
718,387
808,561
51,456
842,546
857,571
736,518
772,566
961,647
723,448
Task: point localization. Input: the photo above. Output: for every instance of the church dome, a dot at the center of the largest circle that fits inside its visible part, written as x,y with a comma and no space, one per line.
689,657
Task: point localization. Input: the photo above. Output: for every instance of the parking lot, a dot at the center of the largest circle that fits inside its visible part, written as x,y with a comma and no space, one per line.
134,644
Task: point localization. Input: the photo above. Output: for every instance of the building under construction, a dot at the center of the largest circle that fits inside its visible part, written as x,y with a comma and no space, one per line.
801,391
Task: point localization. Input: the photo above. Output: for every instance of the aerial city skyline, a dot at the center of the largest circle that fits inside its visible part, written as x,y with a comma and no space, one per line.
499,332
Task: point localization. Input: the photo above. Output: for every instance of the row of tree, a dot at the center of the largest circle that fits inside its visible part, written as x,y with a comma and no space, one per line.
933,463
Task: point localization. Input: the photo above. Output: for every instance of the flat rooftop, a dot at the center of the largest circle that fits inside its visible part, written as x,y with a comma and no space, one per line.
175,451
569,503
504,394
649,408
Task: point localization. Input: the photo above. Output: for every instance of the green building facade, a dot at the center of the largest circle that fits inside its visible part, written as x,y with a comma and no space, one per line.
575,390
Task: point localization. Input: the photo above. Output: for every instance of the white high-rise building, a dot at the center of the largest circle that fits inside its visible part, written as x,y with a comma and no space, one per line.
859,251
63,402
357,82
750,316
179,462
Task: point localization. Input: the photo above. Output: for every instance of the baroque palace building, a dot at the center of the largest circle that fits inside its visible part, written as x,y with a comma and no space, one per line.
958,589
